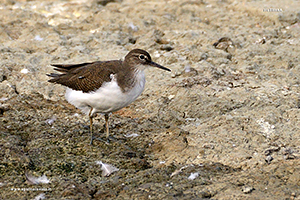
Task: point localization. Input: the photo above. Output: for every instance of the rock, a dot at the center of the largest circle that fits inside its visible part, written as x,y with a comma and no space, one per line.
247,189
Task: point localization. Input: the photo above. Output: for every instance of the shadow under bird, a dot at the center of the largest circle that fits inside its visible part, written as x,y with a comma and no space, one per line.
104,86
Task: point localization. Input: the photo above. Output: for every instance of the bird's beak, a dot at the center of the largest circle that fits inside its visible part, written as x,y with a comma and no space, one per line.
153,64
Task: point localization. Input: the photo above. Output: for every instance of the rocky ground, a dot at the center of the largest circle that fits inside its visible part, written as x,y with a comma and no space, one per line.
225,124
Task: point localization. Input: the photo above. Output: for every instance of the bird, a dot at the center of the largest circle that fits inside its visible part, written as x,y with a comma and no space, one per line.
104,86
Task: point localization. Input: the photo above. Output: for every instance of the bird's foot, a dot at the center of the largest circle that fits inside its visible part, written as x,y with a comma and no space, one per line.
106,140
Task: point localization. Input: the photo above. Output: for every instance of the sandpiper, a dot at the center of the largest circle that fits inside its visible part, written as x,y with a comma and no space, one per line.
104,86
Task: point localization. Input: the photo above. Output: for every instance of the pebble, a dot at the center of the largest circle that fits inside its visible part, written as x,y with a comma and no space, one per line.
247,189
269,159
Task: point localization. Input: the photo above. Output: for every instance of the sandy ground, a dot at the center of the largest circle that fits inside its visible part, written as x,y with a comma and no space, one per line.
225,124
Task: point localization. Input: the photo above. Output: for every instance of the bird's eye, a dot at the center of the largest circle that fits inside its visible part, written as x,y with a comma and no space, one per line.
142,57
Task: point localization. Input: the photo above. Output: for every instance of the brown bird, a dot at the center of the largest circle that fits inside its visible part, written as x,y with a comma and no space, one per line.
104,86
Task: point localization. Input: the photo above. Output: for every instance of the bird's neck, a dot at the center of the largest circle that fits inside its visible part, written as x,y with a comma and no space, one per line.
128,79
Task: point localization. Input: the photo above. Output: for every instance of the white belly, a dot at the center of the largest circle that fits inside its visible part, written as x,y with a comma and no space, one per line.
108,98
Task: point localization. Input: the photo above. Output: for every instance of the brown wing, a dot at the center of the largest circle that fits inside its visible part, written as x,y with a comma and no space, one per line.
86,76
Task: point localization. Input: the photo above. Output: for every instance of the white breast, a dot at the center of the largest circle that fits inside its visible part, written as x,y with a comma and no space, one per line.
108,98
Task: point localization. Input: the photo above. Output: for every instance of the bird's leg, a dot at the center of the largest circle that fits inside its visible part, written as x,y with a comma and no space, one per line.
106,116
91,125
